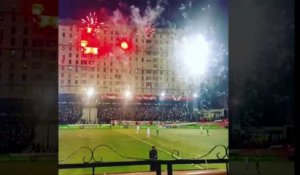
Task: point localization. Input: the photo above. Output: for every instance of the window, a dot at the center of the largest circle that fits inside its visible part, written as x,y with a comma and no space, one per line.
12,66
70,61
25,19
148,71
63,34
13,18
25,42
62,74
1,33
24,66
24,77
38,66
12,41
13,30
70,55
11,77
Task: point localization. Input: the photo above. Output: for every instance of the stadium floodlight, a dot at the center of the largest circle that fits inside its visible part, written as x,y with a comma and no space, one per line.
127,94
195,54
195,95
90,91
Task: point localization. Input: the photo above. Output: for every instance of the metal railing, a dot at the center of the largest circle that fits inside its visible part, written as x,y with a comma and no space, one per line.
93,163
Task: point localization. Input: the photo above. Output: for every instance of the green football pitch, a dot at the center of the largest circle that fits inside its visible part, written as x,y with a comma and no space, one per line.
190,143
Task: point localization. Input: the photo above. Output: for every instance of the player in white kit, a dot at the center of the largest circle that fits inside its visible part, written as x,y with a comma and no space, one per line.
137,128
148,133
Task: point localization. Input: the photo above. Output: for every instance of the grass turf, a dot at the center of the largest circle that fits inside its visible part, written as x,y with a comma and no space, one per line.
190,142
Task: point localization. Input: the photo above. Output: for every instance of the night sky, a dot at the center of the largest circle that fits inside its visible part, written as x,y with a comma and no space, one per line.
77,9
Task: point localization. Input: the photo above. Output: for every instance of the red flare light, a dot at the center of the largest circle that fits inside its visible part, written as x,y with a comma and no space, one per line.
89,30
124,45
83,43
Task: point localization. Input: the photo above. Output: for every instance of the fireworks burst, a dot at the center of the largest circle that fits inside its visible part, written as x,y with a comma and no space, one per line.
90,20
149,30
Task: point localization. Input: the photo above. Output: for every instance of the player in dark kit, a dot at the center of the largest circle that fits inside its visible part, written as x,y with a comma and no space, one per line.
153,156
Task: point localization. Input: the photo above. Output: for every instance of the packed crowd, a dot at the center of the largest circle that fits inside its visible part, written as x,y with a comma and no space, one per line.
69,113
143,112
14,136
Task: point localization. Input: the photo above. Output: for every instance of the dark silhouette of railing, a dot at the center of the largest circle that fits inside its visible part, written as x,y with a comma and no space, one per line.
93,163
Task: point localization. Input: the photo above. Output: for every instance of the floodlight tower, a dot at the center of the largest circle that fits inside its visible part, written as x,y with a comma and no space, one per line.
89,111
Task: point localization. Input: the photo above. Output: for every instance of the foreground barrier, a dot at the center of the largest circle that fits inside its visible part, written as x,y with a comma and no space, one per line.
93,163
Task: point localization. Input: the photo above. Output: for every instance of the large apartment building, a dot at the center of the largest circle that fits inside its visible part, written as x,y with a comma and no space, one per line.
28,68
147,69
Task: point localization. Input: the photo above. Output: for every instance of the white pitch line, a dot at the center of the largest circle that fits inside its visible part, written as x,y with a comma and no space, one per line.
156,147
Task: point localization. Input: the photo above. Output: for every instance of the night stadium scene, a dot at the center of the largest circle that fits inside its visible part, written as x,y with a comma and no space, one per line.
143,81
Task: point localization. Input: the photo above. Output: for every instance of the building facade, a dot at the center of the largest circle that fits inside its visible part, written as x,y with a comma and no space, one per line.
146,69
28,69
